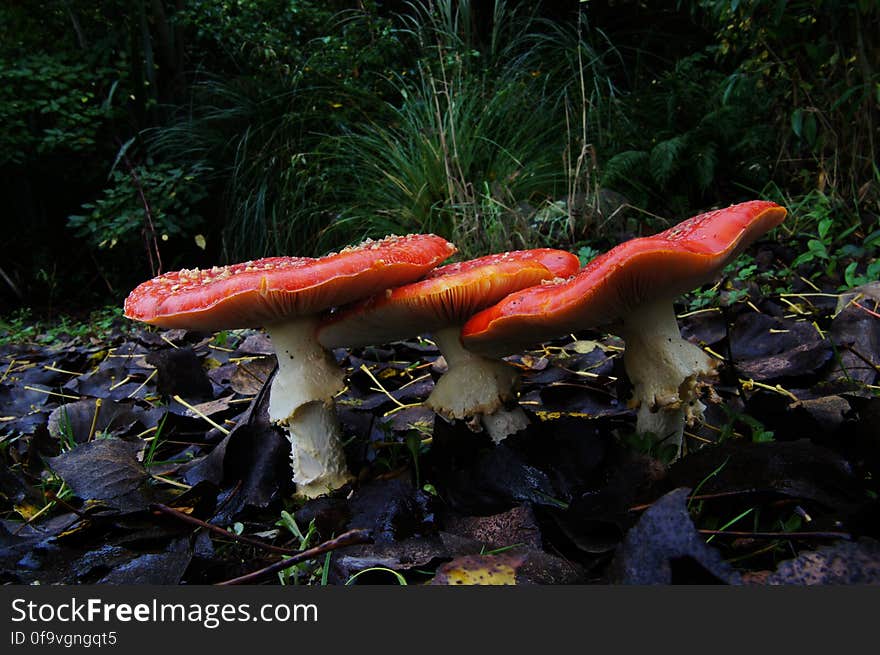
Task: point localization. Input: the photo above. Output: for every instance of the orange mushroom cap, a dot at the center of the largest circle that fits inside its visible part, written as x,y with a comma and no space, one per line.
272,289
646,269
448,296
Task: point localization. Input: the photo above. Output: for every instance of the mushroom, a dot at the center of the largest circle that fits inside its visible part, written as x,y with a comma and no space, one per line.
631,290
285,295
473,386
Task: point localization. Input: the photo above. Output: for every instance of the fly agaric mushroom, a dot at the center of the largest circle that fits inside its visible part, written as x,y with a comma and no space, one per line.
285,295
631,290
473,385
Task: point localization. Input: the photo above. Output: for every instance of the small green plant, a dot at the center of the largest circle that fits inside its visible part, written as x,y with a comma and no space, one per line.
304,571
646,443
757,431
397,576
586,254
150,455
66,437
832,238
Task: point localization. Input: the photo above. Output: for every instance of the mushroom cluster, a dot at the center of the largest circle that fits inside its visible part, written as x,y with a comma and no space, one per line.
474,386
478,311
286,296
630,291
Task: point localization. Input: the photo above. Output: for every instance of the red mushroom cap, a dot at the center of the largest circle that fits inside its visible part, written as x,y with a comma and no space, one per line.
664,265
270,290
559,262
448,296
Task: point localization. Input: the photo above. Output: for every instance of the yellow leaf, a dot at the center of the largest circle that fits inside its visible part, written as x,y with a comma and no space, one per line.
200,241
479,570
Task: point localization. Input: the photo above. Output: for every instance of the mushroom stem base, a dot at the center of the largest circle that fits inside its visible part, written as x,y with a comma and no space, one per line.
316,453
506,421
666,371
301,401
476,386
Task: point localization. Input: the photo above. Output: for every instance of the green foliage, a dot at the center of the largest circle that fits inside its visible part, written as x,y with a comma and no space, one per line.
758,433
647,443
260,130
159,195
836,243
49,103
695,130
21,326
586,254
304,571
301,125
819,61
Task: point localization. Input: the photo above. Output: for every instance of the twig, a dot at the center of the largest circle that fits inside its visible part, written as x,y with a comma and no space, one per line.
170,511
349,538
201,414
863,308
720,494
780,535
149,231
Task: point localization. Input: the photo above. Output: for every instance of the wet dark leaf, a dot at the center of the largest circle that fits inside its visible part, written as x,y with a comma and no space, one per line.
162,568
16,490
517,526
257,343
799,469
827,414
664,547
411,418
487,480
856,333
598,516
251,375
804,360
179,372
393,510
369,399
577,399
86,418
706,328
18,401
412,553
106,470
22,545
253,459
840,563
756,335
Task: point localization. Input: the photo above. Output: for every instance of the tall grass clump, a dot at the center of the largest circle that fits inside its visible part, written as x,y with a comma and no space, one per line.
477,141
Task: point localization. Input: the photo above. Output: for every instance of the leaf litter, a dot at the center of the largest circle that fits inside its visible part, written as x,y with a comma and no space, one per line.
149,458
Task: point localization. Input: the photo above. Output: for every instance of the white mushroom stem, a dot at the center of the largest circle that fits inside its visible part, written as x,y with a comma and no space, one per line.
302,401
476,386
665,371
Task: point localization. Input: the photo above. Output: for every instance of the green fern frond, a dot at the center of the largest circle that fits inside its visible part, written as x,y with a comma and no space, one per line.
665,158
704,162
624,166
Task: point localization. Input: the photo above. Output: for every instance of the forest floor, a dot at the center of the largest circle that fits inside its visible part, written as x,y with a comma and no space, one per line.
146,456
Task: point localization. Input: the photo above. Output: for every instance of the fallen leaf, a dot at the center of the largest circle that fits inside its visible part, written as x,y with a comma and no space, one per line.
840,563
479,570
106,470
664,547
